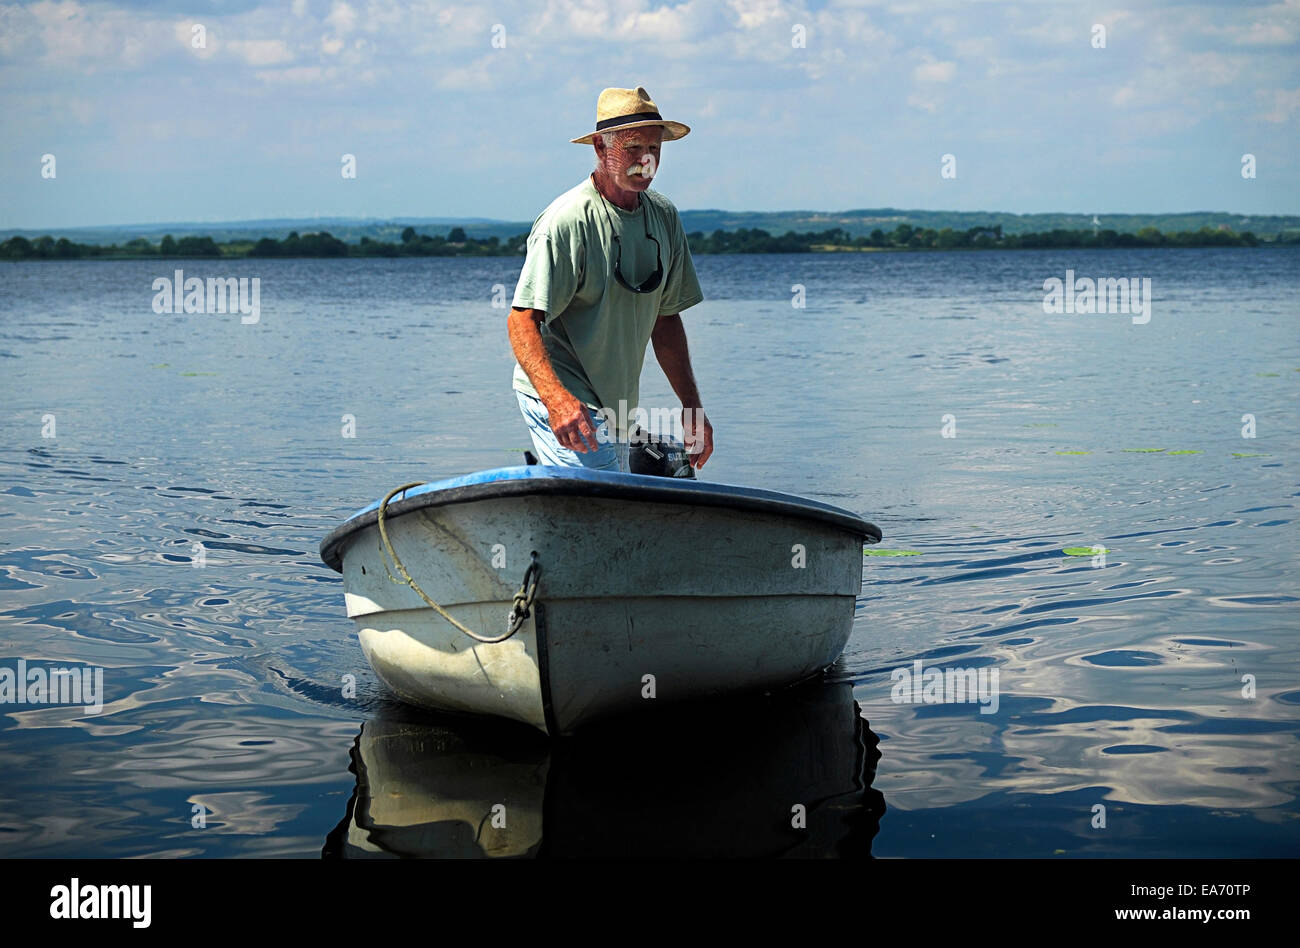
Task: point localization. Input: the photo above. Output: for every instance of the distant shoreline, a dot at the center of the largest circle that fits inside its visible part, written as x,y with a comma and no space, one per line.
903,239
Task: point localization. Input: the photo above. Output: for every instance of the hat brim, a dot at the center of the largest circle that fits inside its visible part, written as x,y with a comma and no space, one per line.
672,131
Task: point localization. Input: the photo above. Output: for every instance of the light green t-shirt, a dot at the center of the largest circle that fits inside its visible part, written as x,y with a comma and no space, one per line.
596,331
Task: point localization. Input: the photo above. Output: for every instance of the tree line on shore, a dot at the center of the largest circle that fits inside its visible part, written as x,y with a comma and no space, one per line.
904,237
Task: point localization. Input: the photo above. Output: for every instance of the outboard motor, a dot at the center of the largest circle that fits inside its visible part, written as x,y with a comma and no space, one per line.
659,457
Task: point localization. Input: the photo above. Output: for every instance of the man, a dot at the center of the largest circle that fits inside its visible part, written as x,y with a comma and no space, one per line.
607,270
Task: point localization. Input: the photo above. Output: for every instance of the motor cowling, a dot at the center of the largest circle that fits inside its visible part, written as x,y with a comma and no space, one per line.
659,456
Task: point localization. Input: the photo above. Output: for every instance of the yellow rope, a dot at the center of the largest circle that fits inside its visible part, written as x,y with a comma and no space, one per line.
523,599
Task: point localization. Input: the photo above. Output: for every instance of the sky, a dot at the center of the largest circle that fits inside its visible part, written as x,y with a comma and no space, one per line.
466,109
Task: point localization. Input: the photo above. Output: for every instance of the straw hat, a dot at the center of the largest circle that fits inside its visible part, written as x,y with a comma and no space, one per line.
617,109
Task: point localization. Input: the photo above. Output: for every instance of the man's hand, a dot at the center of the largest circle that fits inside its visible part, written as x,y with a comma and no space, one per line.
570,422
698,435
669,340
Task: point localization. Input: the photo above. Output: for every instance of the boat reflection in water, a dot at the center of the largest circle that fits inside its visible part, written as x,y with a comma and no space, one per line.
721,780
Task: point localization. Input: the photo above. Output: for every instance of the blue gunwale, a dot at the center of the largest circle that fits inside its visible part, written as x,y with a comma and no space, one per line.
545,479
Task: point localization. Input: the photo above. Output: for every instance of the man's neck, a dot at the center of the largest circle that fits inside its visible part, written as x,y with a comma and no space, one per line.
627,200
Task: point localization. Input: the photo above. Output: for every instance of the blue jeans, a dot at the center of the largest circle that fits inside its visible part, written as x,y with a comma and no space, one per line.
609,455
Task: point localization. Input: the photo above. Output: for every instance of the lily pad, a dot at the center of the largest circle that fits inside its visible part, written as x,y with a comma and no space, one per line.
1144,450
1242,454
1074,452
1184,451
1083,551
891,552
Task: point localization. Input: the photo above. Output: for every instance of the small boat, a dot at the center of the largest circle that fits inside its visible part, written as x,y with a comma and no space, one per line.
556,596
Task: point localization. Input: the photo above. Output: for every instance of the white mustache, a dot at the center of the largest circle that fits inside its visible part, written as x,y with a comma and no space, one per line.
645,168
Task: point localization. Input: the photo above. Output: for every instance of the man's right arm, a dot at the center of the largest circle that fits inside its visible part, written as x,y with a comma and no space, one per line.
568,416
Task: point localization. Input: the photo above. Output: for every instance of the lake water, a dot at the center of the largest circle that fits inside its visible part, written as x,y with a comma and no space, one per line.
1153,689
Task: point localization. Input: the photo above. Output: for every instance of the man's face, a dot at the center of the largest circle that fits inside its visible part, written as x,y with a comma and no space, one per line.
631,149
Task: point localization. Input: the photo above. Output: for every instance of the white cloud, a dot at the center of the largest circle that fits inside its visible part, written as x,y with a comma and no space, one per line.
477,75
342,19
183,33
564,21
933,71
261,52
309,75
926,104
751,14
1215,69
1275,25
669,24
81,39
1286,102
1266,34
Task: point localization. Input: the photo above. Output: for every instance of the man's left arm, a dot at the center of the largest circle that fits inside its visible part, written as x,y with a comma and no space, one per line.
669,338
682,290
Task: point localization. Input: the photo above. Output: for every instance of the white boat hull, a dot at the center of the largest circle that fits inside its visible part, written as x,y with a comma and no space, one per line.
637,604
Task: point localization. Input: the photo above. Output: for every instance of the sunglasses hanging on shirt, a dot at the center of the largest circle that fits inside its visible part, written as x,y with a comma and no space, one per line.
651,282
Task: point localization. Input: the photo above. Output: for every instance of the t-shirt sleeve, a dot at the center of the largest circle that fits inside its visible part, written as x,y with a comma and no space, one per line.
552,272
682,286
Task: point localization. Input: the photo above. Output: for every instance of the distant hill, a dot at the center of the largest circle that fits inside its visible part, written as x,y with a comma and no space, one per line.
860,223
857,223
350,229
